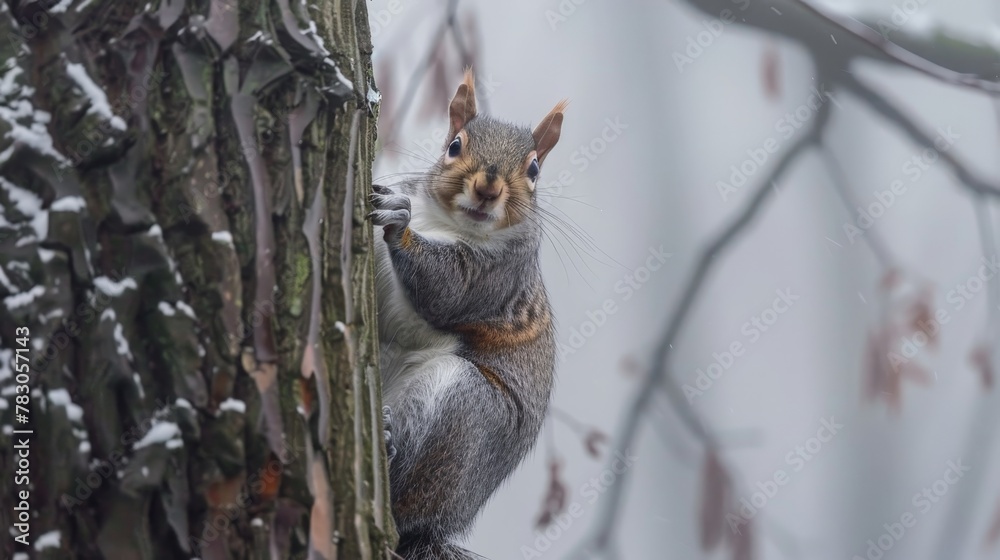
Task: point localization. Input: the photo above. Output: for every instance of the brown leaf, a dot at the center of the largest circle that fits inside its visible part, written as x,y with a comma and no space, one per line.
594,437
630,366
770,70
983,361
908,324
874,373
715,494
883,376
555,498
915,373
993,535
922,317
891,279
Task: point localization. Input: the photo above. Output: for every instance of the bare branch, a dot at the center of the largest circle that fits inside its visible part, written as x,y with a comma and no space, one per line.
657,375
448,26
894,115
899,54
416,77
835,41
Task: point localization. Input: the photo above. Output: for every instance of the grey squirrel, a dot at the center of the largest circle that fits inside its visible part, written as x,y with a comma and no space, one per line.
466,331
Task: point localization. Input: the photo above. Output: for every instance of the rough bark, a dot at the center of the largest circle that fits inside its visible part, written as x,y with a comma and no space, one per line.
182,188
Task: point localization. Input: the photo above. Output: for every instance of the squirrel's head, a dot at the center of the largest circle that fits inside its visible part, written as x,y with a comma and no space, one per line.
487,176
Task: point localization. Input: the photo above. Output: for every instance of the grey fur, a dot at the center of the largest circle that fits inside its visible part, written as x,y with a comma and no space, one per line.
451,456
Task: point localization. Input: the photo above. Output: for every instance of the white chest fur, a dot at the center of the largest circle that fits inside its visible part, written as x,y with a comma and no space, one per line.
412,351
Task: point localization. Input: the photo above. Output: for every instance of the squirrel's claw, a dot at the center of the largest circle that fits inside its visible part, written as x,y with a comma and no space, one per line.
391,209
390,449
390,201
399,218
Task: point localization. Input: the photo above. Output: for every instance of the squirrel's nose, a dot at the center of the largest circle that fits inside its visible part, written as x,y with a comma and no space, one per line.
489,189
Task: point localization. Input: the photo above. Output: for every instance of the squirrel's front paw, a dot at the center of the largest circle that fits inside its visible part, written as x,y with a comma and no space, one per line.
392,210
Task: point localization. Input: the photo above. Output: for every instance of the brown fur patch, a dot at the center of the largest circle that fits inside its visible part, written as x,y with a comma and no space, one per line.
497,337
406,240
452,181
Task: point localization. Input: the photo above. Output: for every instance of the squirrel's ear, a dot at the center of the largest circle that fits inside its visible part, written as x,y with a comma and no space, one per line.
546,134
463,106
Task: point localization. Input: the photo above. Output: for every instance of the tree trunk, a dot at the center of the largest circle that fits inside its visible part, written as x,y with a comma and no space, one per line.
188,337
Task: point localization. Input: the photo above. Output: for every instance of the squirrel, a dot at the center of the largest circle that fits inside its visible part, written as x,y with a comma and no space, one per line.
467,338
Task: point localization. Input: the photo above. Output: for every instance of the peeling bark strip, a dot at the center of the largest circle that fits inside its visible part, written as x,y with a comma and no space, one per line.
263,335
312,355
178,183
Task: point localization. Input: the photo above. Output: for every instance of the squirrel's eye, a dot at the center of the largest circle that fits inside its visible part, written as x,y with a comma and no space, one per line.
455,147
533,169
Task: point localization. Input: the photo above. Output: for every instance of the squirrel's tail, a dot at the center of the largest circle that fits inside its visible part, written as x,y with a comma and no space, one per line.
422,548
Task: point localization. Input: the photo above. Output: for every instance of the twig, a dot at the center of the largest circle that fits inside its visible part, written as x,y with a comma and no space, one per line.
984,421
987,239
899,54
574,424
416,77
448,25
895,116
456,33
840,184
657,375
463,50
682,451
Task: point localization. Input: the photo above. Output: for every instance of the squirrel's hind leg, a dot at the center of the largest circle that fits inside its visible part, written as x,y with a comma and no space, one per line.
458,438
